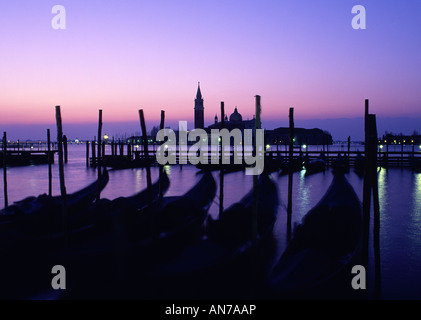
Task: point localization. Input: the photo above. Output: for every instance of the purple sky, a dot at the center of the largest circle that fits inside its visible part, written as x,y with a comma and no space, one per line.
120,56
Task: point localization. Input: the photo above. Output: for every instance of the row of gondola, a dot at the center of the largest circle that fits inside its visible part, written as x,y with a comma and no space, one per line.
149,246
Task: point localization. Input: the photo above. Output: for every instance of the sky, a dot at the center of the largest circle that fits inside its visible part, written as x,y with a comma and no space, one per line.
122,56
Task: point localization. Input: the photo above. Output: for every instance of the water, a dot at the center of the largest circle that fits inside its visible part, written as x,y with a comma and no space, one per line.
399,195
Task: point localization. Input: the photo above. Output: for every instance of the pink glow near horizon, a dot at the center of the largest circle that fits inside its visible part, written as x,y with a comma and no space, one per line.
150,55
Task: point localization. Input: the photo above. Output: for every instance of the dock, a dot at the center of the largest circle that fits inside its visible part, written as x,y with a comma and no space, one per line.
129,156
27,153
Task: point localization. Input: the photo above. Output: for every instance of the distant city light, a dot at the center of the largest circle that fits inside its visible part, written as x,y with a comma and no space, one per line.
105,137
268,146
304,146
381,146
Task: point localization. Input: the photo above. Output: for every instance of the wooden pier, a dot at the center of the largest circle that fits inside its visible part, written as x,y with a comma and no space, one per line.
121,155
27,153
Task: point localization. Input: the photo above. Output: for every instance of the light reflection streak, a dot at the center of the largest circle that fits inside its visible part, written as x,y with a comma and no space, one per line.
414,226
417,197
382,185
303,198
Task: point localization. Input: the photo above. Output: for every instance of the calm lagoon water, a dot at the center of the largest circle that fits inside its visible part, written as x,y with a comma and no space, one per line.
399,194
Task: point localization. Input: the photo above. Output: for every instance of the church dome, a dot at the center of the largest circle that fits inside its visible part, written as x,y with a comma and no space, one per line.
235,116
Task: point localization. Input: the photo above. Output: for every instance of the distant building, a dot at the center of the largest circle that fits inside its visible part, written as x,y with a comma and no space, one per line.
279,135
199,110
235,121
391,138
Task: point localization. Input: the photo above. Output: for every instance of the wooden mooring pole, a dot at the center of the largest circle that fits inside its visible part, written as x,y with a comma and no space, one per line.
370,188
61,171
99,162
66,158
349,149
50,174
290,169
152,222
161,167
6,202
221,171
146,153
87,154
366,186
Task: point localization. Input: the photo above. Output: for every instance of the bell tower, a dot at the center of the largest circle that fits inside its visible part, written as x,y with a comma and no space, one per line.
199,117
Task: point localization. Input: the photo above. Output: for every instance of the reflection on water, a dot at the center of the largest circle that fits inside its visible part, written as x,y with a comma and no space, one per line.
414,226
399,195
382,185
303,196
167,169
